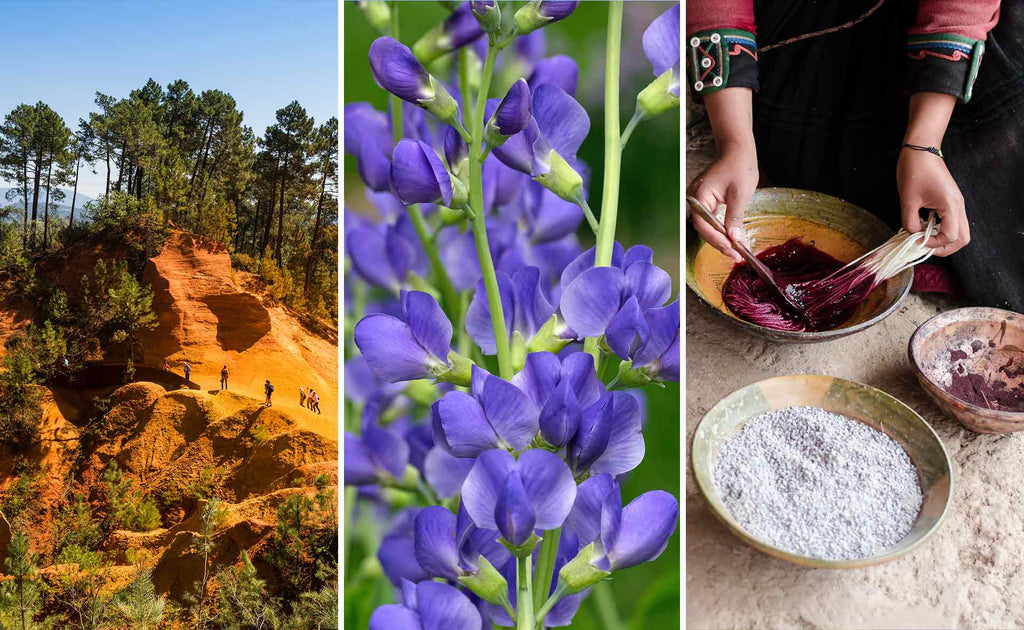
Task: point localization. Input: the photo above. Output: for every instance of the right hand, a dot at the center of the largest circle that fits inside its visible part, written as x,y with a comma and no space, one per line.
730,179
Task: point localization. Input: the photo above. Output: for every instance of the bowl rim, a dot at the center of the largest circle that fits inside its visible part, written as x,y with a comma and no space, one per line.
790,335
819,563
917,339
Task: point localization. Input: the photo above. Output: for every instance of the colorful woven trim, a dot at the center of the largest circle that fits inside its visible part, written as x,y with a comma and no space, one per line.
951,48
708,56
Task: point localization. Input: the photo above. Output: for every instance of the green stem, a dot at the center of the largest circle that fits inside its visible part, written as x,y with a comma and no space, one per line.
607,610
595,225
524,594
476,202
633,122
612,150
449,299
545,568
549,604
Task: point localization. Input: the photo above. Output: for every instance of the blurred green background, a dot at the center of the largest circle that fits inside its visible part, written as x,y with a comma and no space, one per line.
647,596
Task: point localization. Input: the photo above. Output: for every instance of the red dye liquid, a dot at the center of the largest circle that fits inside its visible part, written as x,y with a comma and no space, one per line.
808,276
993,393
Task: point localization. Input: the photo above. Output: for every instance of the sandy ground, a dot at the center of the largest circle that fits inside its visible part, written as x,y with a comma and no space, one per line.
969,574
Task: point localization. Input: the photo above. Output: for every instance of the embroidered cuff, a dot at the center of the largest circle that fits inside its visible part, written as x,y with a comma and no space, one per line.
944,63
721,58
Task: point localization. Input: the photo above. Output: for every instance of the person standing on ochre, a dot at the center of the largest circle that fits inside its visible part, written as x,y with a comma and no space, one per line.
224,377
268,389
188,371
884,103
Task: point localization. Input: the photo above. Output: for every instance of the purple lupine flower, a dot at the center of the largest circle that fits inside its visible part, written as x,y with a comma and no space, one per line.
374,456
523,303
540,13
428,606
450,546
397,70
562,389
517,496
368,138
508,116
458,29
626,536
407,349
397,552
381,256
593,297
661,45
609,438
546,148
456,151
560,71
418,175
496,414
653,345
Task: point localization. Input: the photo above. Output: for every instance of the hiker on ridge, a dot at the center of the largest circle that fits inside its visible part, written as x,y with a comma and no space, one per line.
269,389
167,366
224,377
316,403
188,371
302,396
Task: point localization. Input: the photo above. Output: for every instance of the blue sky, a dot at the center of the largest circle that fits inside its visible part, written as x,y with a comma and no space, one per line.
265,53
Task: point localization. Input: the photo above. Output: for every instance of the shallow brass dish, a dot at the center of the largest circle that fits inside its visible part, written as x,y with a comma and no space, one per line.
859,402
834,226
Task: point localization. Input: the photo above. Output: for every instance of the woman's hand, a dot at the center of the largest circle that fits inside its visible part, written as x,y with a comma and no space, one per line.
924,181
732,177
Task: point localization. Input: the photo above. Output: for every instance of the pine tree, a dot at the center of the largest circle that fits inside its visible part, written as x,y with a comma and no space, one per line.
131,312
244,601
138,603
20,597
16,136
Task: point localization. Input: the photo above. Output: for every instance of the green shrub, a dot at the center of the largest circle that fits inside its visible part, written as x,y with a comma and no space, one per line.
129,509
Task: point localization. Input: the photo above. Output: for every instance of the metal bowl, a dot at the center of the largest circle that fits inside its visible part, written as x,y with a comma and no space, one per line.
834,226
933,338
859,402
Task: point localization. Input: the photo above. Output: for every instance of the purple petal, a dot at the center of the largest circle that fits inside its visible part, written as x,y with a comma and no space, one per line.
443,607
397,556
513,112
560,71
578,369
518,151
390,349
478,315
625,447
539,377
435,542
394,617
560,416
420,441
592,437
585,518
557,9
359,466
458,253
388,450
465,429
365,247
590,302
628,329
401,253
661,41
553,218
396,69
428,323
561,119
374,167
418,175
651,285
550,486
531,307
455,148
461,27
445,473
637,254
669,370
484,484
502,185
663,324
514,512
530,48
510,412
646,525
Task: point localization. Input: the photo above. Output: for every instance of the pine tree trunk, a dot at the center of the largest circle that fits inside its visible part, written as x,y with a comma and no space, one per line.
74,192
35,198
108,169
311,263
280,216
24,193
269,223
120,168
46,205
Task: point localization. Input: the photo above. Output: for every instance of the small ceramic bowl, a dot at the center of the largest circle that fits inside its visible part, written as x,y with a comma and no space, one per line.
858,402
1001,337
775,215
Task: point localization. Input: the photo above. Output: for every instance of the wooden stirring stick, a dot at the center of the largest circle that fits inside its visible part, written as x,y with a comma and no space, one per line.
759,267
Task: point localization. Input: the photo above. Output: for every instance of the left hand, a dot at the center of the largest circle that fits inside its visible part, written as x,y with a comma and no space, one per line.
924,182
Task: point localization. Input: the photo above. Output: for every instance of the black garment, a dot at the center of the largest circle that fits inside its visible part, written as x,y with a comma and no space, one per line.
831,113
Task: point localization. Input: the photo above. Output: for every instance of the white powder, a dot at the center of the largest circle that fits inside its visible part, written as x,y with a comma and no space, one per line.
818,484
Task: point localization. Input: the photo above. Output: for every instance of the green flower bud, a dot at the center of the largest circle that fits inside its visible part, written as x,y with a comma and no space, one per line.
378,14
518,348
656,97
488,15
550,337
460,372
487,583
579,574
562,179
460,194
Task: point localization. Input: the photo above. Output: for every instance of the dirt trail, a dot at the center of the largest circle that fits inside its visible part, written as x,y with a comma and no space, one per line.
209,320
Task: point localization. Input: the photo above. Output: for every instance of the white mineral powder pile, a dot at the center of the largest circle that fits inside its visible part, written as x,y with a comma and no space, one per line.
818,484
